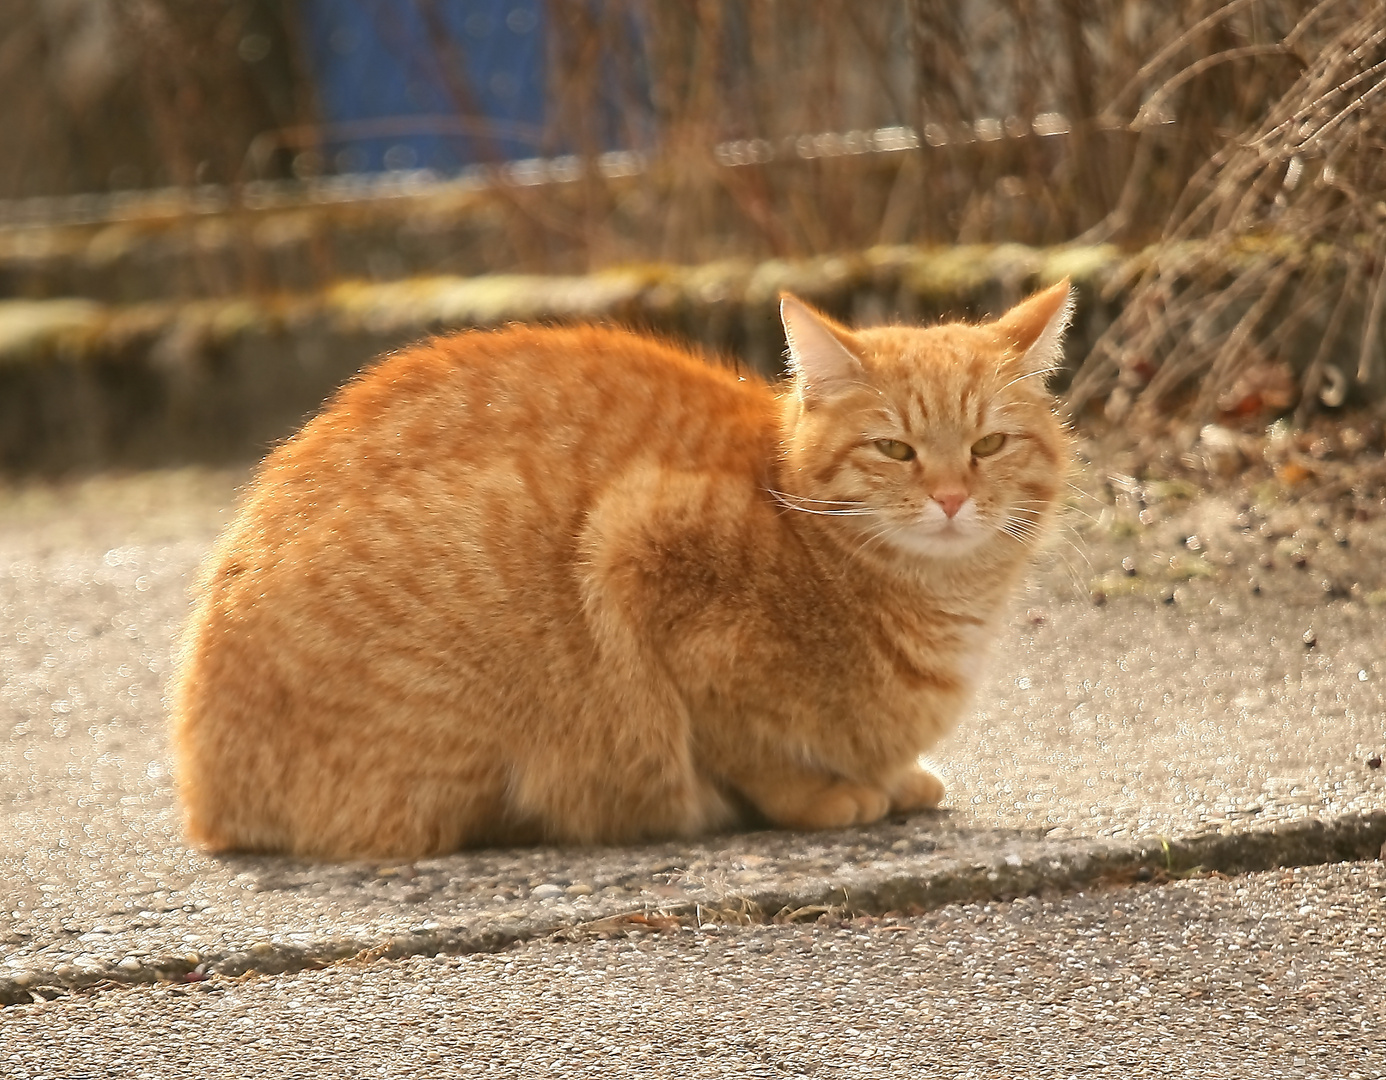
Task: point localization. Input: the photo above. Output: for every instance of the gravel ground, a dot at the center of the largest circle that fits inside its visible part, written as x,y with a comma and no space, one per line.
1269,974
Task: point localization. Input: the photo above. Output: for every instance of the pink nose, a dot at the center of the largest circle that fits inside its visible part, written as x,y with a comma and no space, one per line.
950,500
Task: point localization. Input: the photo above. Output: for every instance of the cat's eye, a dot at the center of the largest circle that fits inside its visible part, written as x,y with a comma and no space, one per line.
988,444
894,448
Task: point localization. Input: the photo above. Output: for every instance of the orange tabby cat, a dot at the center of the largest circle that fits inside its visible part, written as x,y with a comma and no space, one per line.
576,585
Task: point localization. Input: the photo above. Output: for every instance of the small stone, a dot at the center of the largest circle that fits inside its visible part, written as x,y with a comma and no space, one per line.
130,965
1128,564
1168,595
1310,639
1340,536
1193,543
546,892
1300,560
1035,617
1255,587
1098,597
262,948
579,888
1374,762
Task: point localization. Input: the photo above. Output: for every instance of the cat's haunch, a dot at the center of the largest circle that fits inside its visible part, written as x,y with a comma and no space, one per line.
579,586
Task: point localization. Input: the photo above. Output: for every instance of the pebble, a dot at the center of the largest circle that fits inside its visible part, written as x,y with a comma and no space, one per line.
130,965
1310,639
1374,762
579,888
546,892
1168,595
1128,564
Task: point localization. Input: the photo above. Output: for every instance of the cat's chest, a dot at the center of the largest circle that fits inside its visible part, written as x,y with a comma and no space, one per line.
932,647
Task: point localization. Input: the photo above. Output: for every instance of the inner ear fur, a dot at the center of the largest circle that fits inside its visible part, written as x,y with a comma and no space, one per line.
1035,328
819,357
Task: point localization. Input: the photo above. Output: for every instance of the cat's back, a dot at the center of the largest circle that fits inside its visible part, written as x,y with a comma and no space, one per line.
593,396
481,455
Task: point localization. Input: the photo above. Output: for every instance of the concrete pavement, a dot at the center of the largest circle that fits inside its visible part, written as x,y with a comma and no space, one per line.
1273,974
1223,706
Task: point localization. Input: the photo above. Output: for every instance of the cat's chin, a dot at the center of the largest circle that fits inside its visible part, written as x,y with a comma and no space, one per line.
950,541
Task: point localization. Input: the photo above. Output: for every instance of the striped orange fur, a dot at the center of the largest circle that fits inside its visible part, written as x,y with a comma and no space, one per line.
579,586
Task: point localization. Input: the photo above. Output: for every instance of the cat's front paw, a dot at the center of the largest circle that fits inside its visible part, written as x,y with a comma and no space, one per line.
918,789
842,804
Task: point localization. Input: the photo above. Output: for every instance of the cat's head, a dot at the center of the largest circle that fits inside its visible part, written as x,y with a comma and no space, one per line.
940,442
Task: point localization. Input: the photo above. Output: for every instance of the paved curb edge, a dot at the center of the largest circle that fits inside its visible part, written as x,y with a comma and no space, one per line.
1307,843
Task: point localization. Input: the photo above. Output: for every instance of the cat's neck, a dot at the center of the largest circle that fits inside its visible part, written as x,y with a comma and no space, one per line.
977,582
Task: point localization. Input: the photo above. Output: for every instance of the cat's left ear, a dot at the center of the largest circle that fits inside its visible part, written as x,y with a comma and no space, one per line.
1036,326
821,363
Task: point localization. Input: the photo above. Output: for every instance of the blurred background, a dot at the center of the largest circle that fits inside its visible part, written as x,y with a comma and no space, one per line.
188,186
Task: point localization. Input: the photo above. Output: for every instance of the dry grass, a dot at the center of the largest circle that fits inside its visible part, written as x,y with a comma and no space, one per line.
1271,276
1244,137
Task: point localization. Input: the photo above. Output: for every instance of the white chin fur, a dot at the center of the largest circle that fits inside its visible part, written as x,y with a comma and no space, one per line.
936,535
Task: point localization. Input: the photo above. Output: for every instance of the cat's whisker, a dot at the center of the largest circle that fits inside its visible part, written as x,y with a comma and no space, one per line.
1039,373
1016,531
806,499
1069,544
844,508
1075,576
877,535
865,512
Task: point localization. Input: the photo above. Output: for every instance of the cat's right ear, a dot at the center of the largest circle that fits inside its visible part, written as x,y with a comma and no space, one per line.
818,359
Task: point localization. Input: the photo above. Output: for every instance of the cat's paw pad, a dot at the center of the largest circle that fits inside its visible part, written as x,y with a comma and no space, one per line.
918,789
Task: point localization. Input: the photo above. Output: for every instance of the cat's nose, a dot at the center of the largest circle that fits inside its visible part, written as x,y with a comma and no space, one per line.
950,500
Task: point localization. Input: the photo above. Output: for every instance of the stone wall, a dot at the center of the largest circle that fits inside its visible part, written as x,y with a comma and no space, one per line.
86,385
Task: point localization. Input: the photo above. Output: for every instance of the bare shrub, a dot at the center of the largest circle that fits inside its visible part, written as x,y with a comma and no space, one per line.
1272,260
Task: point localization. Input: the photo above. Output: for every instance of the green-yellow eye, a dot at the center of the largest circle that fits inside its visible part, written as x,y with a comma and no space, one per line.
894,448
988,444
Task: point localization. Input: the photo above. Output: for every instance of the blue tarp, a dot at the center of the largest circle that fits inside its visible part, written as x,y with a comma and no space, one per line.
434,84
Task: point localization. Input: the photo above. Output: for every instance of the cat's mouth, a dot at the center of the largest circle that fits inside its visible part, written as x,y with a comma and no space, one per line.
948,538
